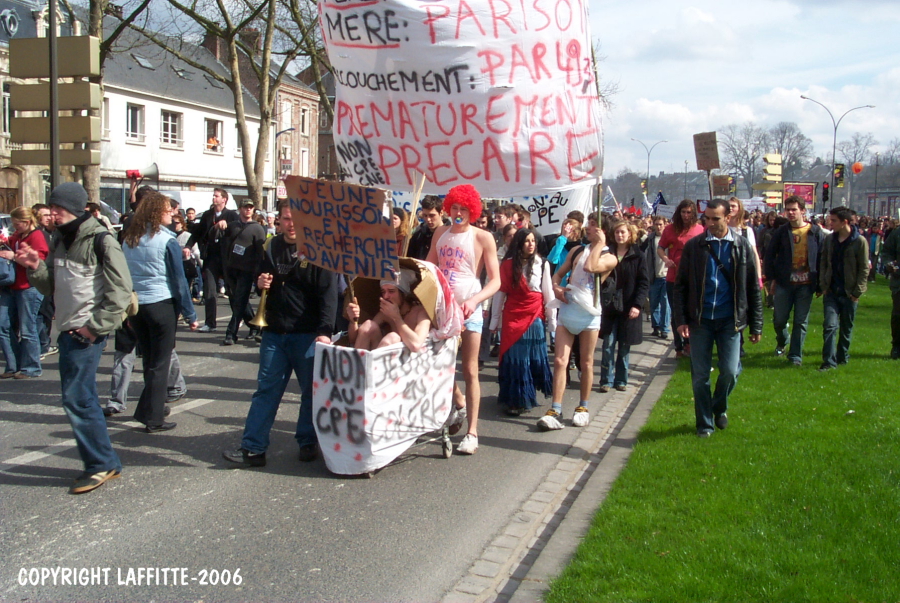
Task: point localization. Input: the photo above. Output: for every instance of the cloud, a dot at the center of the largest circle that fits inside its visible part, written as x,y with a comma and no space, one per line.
696,35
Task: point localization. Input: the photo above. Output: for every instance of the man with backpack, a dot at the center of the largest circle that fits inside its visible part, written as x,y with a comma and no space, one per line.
91,297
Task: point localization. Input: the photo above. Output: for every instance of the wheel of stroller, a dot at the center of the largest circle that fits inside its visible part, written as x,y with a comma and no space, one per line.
448,449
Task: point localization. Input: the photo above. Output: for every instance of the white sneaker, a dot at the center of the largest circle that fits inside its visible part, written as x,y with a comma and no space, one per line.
468,445
206,329
456,418
581,417
550,421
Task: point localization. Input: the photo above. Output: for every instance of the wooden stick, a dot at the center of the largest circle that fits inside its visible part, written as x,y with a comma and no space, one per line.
412,214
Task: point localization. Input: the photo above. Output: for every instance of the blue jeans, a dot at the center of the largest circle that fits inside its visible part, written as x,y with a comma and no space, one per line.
621,369
728,345
21,307
279,355
78,376
659,305
840,311
798,297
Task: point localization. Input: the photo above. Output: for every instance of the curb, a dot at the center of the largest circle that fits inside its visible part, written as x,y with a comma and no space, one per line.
543,534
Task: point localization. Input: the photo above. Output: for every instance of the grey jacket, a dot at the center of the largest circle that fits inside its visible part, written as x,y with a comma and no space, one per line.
85,293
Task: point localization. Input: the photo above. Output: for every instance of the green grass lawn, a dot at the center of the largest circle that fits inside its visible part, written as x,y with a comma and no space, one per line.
797,500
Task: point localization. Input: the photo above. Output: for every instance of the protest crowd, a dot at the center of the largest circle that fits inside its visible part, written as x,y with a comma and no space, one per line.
536,305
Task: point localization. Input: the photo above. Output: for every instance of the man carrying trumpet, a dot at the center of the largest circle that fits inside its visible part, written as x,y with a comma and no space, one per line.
298,309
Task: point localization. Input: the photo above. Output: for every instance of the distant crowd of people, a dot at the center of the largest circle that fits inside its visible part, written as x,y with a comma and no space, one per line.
538,304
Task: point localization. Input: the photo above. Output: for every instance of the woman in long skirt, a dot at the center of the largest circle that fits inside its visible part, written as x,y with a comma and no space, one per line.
525,290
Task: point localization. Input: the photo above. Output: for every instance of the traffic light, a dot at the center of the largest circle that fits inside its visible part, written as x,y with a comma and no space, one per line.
839,175
826,189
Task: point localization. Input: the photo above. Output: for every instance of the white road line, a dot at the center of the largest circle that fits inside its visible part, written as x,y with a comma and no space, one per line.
60,447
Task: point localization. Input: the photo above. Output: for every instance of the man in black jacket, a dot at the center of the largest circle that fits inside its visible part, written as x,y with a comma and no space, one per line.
301,306
244,240
717,295
209,234
792,263
420,241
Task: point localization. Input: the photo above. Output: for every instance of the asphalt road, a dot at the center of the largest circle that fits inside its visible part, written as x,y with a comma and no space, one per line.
291,531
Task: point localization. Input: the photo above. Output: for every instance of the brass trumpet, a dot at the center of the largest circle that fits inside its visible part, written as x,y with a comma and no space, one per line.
259,321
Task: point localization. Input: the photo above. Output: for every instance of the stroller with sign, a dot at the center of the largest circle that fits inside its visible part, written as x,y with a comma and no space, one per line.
369,407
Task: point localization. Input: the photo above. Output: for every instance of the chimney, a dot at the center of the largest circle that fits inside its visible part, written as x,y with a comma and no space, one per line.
215,45
250,37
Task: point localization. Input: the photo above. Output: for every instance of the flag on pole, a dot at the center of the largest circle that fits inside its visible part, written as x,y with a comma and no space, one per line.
660,200
609,200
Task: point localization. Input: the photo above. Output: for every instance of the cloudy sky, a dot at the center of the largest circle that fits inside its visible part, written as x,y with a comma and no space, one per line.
688,66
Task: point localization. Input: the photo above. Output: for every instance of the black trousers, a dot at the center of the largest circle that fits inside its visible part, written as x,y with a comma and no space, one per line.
241,283
154,325
212,272
895,320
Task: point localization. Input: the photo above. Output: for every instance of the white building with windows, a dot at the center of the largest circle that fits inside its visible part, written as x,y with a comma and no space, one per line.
159,109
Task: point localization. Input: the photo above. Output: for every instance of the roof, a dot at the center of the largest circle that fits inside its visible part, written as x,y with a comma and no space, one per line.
18,21
138,64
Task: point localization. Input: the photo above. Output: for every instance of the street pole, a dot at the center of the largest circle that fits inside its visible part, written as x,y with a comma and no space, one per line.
834,142
54,97
650,150
875,205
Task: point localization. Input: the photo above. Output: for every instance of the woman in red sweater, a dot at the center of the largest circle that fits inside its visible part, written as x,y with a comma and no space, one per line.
20,302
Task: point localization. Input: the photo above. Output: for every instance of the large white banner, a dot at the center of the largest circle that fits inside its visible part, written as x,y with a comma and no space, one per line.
500,94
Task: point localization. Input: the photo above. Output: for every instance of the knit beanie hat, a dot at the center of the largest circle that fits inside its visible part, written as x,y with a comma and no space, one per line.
70,196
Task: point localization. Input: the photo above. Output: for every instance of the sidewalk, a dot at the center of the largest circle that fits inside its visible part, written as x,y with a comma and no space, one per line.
543,534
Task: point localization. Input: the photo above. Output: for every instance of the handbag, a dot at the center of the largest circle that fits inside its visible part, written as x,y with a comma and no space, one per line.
7,272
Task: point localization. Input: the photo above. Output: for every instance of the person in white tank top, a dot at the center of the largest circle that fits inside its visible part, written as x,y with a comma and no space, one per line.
460,252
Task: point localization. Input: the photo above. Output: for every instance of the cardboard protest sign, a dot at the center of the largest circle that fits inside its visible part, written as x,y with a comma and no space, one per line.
501,95
548,211
369,407
342,227
707,151
666,211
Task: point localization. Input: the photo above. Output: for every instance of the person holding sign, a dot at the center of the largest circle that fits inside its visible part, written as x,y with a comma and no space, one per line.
461,253
401,317
301,307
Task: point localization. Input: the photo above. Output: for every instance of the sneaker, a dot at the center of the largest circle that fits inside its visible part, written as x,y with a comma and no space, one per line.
721,421
663,335
603,389
704,433
228,341
581,417
87,481
53,350
175,397
621,388
456,418
7,375
468,445
779,351
24,376
550,421
826,367
309,453
244,458
206,329
797,362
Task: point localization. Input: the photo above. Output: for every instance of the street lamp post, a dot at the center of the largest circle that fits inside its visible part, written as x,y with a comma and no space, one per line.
650,150
834,144
875,204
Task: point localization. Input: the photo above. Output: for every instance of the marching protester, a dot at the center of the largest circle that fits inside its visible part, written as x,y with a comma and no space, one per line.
301,306
208,233
420,240
400,222
659,302
890,257
20,302
579,314
525,292
792,263
843,280
244,240
91,296
716,296
683,228
154,259
461,252
621,324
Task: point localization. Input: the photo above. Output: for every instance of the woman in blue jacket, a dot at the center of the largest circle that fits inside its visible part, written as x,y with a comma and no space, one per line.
155,261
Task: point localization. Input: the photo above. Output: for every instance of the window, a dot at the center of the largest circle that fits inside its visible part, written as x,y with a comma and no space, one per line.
304,121
143,62
134,128
104,118
213,136
304,162
323,120
286,109
6,111
182,73
237,137
170,131
286,151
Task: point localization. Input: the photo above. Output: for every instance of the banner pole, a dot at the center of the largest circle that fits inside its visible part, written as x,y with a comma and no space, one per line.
412,214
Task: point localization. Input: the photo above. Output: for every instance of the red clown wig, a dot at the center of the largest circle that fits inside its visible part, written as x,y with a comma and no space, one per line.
467,196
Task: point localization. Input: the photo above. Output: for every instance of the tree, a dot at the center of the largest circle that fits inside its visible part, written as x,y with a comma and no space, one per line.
858,148
786,139
252,32
742,148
